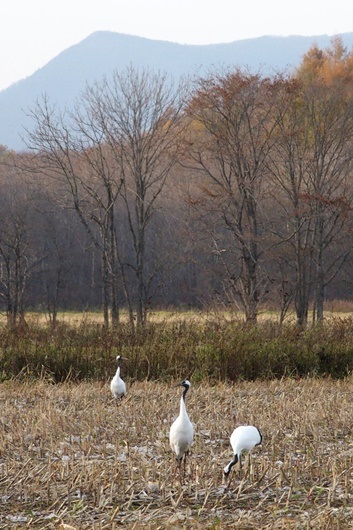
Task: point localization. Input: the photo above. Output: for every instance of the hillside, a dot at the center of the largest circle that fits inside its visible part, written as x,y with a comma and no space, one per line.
101,53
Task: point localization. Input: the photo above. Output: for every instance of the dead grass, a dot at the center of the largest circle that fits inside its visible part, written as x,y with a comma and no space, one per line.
70,456
333,309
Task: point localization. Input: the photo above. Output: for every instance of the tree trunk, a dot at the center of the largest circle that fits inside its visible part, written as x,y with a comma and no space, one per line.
105,291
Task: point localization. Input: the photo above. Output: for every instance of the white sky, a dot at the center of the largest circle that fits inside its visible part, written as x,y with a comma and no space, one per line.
32,32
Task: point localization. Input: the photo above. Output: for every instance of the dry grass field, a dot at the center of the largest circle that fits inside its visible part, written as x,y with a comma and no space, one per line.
334,309
70,457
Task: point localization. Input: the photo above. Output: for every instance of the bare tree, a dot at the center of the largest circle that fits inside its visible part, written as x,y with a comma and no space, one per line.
310,164
114,151
60,238
71,148
18,253
330,118
232,134
143,122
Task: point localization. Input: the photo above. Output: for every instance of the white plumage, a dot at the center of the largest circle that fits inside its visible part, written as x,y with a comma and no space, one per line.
117,385
243,438
181,434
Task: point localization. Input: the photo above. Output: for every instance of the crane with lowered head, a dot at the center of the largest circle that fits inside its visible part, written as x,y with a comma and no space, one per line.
243,438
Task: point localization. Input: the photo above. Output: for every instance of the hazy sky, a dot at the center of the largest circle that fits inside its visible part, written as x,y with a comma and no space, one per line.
32,32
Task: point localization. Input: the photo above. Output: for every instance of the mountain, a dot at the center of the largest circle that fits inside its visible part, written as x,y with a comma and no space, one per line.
63,78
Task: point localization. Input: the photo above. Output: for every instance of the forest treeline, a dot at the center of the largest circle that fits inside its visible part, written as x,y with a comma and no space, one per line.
234,190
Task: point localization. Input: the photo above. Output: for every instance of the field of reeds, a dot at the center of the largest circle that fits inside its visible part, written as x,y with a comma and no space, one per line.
71,457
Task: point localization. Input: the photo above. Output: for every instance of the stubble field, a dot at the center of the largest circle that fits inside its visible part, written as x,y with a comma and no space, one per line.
70,457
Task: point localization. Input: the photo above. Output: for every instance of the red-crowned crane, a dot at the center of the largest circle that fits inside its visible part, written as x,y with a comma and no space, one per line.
117,385
181,435
243,438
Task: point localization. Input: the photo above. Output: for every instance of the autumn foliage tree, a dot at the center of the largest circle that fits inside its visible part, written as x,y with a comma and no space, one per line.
326,130
328,66
310,168
233,135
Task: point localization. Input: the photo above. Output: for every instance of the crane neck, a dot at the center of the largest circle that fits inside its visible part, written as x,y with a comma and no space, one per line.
182,404
186,388
182,407
230,465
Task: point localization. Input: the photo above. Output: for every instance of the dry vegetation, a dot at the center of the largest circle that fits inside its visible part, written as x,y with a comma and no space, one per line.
333,310
70,456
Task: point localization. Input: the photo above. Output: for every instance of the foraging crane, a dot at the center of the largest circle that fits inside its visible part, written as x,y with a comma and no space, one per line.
117,385
244,437
181,435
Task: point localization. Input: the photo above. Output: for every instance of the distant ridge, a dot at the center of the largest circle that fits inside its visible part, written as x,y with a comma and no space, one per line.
102,52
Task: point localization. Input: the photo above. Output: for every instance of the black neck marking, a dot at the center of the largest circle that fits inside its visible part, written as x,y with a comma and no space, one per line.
231,464
186,388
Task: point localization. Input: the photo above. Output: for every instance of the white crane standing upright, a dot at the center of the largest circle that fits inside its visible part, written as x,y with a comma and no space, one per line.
117,385
181,435
243,438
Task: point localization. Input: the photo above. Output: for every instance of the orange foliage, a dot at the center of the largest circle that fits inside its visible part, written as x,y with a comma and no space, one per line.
333,64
